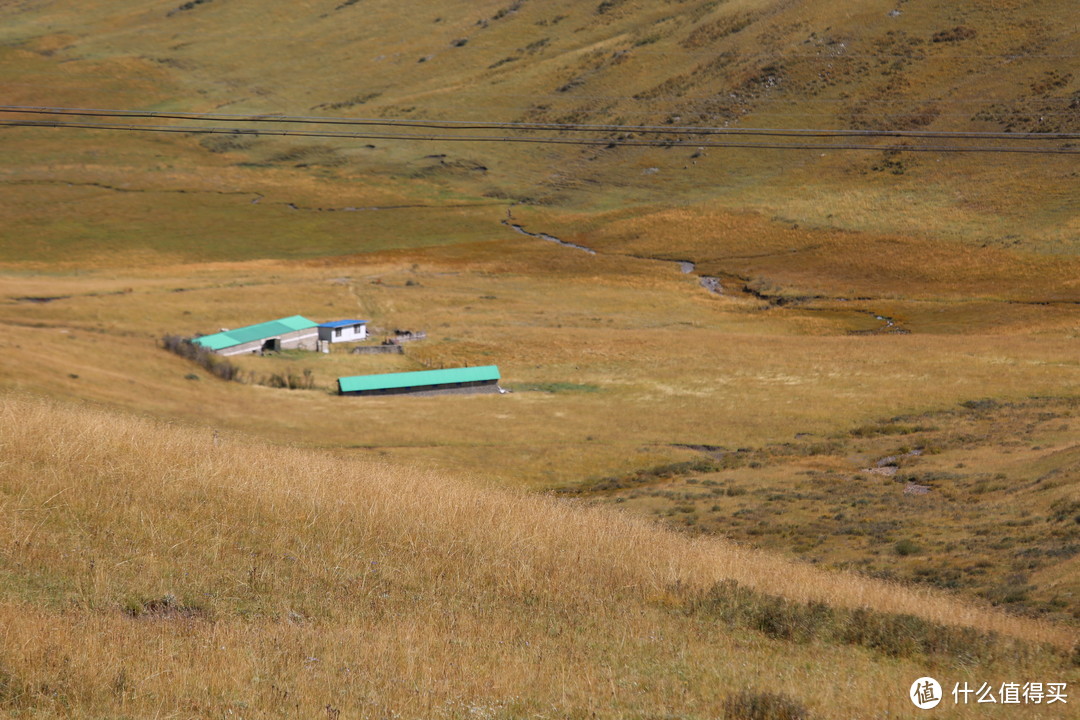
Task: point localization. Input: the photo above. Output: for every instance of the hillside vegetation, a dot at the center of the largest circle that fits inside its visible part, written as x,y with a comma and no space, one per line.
769,359
925,65
156,569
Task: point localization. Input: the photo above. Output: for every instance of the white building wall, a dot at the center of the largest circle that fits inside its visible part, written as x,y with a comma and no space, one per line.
349,333
302,339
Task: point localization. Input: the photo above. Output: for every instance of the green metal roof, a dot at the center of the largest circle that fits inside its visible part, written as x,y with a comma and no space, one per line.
388,381
251,333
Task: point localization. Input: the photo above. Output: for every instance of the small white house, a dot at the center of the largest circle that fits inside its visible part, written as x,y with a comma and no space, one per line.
343,331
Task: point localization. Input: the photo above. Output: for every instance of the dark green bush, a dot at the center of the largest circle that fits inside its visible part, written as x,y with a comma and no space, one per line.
903,548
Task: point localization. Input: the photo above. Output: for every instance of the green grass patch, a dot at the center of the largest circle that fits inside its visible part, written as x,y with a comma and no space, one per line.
893,635
554,387
640,477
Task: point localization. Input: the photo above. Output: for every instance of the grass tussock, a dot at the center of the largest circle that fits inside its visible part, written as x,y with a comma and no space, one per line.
203,574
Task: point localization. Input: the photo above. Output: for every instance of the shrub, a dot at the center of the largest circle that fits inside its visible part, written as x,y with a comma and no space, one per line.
751,705
212,363
956,34
903,548
190,5
608,5
894,635
981,405
640,477
289,380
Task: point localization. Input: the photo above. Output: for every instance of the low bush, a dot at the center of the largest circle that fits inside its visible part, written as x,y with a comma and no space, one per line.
212,363
640,477
903,548
751,705
289,380
894,635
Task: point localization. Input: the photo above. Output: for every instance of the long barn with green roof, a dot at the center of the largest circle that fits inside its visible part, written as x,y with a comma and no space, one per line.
295,332
483,379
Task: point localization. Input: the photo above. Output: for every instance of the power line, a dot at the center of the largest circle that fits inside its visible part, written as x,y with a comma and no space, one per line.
800,101
853,56
562,127
608,142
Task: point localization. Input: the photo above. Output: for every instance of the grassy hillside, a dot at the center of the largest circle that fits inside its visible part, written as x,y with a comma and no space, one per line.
864,360
981,499
158,569
933,65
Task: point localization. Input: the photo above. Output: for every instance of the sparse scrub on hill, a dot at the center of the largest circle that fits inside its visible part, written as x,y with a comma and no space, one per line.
224,143
508,10
906,510
954,34
708,33
608,6
312,155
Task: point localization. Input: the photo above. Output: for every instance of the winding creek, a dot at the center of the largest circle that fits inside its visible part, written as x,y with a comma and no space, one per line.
549,238
713,284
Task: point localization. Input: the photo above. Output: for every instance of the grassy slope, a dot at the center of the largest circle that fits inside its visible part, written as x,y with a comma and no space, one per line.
996,517
149,234
755,64
149,568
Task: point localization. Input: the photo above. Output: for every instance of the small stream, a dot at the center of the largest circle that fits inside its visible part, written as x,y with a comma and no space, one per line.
549,238
712,284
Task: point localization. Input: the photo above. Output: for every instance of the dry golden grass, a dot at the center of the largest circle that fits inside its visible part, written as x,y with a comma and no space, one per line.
164,234
997,519
297,581
666,362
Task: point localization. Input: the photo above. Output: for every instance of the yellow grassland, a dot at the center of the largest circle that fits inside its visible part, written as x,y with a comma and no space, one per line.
295,580
640,335
174,545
